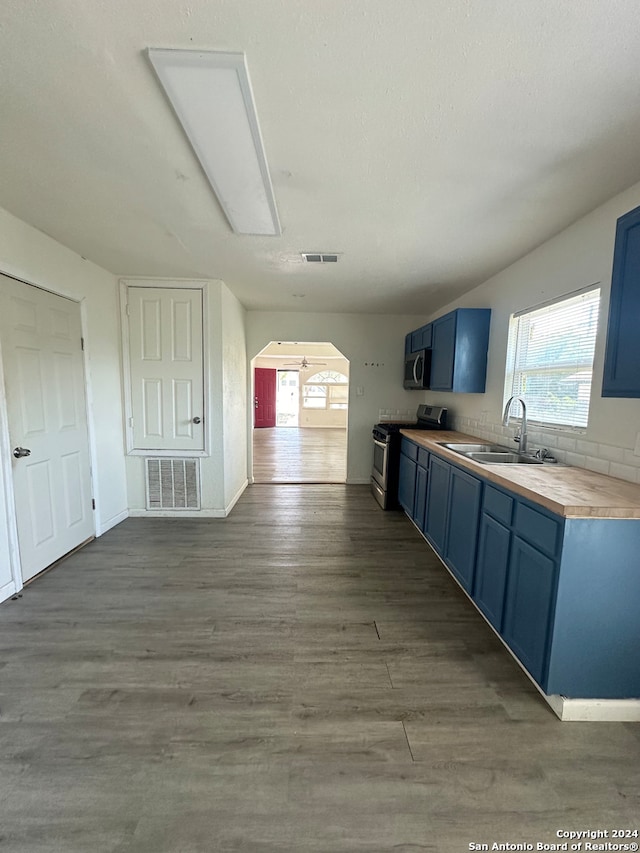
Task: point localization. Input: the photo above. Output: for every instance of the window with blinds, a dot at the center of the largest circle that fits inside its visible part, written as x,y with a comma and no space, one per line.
550,359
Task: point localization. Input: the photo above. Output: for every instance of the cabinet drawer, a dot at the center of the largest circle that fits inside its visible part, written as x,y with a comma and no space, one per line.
542,531
423,457
409,449
499,505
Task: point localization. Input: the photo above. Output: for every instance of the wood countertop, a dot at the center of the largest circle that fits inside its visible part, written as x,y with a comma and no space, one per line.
570,492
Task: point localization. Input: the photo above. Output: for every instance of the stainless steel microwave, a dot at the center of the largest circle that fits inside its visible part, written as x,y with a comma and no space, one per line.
417,369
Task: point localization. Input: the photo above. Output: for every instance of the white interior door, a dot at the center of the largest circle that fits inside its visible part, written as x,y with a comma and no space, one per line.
41,342
166,368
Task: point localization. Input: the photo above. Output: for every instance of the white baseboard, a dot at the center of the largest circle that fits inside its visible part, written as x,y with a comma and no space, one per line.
595,710
7,591
358,481
111,522
177,513
234,500
191,513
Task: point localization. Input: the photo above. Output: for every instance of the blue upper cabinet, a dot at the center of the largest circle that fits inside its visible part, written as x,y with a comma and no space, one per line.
459,351
622,358
418,340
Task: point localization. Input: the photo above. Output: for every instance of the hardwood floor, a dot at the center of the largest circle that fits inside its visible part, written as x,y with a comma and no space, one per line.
301,677
299,455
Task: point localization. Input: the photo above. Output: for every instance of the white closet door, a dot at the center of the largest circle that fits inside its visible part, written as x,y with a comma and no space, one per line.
44,378
166,366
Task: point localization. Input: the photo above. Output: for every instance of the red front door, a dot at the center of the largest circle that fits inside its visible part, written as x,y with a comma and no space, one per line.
265,397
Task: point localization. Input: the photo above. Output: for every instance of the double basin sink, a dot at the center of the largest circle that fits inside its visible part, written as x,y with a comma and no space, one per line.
492,454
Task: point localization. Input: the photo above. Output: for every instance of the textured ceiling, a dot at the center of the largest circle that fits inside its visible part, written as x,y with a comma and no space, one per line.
430,142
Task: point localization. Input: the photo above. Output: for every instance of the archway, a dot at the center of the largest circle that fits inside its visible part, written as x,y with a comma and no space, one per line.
301,408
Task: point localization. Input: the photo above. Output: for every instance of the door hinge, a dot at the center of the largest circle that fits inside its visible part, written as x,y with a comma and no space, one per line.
82,344
130,422
126,309
93,503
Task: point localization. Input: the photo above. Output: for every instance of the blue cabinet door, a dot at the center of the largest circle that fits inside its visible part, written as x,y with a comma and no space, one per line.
407,483
491,569
622,359
422,479
459,351
437,502
528,609
427,336
420,339
442,354
465,492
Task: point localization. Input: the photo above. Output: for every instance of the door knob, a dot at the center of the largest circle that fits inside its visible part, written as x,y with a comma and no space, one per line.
19,452
196,420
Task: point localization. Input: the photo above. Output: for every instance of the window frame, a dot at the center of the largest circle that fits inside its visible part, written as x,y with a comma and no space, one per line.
330,381
513,369
307,396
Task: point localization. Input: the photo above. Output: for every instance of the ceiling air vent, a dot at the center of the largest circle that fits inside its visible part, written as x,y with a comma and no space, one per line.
320,258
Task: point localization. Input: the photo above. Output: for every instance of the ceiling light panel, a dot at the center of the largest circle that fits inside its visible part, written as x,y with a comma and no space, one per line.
211,95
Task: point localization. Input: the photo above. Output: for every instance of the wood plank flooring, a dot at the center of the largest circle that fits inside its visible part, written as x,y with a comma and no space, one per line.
299,455
301,677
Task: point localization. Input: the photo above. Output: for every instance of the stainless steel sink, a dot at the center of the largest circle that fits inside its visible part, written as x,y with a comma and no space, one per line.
491,454
508,458
476,448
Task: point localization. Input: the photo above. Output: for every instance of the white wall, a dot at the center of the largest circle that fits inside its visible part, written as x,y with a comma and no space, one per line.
31,256
234,392
579,256
374,346
224,472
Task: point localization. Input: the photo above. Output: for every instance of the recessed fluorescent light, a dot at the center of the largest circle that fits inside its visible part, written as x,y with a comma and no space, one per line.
211,95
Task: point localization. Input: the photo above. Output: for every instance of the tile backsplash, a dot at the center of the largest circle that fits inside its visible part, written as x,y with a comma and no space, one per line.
397,415
576,451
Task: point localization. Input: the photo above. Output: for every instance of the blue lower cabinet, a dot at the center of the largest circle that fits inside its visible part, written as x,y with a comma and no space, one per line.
491,569
437,503
531,589
563,593
596,632
407,483
463,518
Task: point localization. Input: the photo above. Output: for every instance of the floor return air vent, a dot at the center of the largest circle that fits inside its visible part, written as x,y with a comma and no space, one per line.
173,483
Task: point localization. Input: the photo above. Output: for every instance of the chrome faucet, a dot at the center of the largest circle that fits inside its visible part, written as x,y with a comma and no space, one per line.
522,437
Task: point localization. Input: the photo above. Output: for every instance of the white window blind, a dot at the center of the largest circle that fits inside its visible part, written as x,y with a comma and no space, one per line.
338,396
314,397
550,359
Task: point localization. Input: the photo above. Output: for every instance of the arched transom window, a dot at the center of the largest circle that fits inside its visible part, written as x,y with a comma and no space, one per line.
326,376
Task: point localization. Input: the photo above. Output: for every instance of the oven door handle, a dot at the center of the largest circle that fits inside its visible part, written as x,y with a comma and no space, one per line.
381,444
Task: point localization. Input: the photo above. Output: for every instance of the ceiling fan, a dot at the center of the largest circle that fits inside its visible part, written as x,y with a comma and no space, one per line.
304,363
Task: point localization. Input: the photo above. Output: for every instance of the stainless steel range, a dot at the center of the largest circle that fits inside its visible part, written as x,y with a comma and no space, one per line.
386,452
